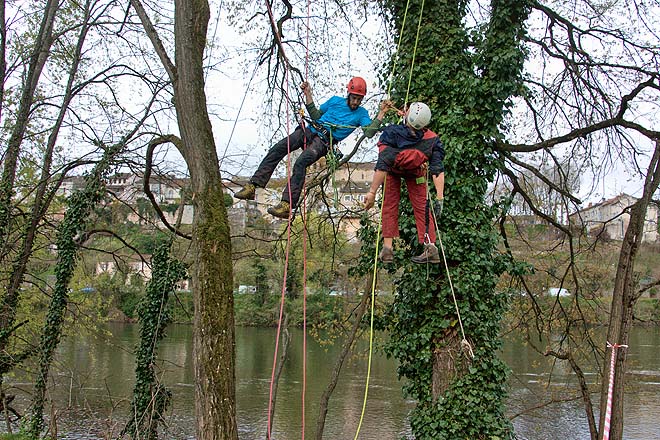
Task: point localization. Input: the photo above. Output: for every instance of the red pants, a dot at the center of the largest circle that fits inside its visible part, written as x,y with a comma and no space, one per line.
391,198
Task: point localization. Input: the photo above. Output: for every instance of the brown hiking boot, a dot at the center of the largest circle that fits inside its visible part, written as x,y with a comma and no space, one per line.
430,255
280,210
247,192
386,255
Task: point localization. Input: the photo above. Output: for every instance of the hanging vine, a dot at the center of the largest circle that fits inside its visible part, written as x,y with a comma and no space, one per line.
150,397
80,206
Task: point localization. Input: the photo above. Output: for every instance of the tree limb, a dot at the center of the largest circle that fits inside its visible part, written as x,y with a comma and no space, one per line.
149,28
147,175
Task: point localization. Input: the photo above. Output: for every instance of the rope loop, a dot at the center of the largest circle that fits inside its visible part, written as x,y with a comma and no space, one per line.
466,347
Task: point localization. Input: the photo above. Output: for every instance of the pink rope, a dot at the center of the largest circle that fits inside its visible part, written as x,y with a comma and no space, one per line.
283,295
304,357
304,232
288,247
610,389
288,243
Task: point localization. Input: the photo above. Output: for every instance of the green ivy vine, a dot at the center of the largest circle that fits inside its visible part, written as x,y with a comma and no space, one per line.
151,398
467,77
80,206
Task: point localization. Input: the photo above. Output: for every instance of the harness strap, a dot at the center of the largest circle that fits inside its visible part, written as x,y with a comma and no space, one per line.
321,130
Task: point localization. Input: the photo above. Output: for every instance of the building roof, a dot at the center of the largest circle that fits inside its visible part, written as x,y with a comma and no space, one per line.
611,201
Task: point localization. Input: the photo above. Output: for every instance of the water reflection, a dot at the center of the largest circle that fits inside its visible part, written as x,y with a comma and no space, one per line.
537,379
95,378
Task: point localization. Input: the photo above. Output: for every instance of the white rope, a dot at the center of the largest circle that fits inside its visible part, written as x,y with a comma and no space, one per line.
465,344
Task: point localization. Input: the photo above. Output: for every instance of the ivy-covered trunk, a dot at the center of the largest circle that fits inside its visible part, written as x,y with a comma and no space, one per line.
150,397
79,209
467,79
10,159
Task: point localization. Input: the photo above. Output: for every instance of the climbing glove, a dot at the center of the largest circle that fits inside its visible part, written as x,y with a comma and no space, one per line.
437,208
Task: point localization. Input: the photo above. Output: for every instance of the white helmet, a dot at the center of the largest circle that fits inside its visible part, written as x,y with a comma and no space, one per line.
418,115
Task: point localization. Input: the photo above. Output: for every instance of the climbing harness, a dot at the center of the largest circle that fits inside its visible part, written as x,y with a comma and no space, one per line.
334,154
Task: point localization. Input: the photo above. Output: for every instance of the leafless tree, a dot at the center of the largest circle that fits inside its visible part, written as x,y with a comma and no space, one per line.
55,125
593,92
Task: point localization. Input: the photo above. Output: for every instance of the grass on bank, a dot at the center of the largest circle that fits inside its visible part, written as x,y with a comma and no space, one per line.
324,309
18,436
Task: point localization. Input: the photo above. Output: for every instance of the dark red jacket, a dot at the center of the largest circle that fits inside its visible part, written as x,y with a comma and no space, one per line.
403,150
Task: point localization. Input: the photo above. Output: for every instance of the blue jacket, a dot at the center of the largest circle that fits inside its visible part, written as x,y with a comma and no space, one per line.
340,119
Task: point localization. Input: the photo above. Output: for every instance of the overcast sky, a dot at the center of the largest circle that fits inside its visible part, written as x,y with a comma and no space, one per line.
252,130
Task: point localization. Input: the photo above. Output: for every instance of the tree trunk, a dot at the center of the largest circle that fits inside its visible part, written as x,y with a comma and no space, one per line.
447,362
40,53
10,157
623,300
40,204
3,56
213,333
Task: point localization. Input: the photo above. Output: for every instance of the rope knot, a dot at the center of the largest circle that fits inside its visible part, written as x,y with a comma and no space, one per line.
467,348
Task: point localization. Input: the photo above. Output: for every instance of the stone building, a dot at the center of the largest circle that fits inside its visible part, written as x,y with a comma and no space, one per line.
610,218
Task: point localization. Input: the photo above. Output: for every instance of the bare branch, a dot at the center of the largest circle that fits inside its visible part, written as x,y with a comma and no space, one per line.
155,40
147,175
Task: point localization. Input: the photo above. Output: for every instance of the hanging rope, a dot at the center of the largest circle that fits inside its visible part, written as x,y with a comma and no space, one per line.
288,240
288,245
371,317
398,45
412,63
304,232
283,294
304,357
465,344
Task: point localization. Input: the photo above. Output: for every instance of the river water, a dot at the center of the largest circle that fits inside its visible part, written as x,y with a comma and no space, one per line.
94,378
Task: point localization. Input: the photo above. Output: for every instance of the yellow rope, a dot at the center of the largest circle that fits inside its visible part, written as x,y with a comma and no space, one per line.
373,282
412,63
371,317
465,344
403,25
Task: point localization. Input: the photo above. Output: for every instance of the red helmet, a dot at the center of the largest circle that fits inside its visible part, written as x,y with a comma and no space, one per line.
357,86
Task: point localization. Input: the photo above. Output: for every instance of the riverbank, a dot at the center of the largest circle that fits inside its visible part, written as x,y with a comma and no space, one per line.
324,310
